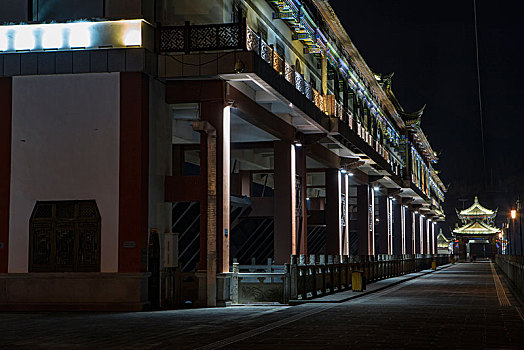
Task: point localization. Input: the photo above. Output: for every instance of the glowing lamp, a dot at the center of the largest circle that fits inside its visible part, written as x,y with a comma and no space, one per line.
343,171
513,213
376,188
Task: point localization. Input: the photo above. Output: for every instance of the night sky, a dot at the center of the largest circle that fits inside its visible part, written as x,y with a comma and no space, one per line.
430,45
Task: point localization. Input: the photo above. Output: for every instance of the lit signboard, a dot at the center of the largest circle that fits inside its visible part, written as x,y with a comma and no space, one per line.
74,35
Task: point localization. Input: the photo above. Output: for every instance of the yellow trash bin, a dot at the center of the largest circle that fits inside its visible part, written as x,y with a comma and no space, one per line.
434,265
358,283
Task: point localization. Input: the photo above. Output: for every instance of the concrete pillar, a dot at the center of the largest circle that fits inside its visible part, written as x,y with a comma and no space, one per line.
333,211
365,220
390,224
133,223
215,153
178,160
345,221
462,249
285,202
382,225
416,233
398,233
422,237
423,241
241,183
429,241
202,263
301,203
409,231
433,238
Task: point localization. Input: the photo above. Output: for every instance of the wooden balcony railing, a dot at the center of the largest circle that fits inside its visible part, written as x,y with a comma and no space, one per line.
209,37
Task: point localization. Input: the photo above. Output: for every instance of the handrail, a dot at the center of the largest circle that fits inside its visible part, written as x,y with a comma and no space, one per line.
513,268
318,278
303,279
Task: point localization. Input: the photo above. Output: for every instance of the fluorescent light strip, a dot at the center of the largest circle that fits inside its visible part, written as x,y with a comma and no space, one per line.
75,35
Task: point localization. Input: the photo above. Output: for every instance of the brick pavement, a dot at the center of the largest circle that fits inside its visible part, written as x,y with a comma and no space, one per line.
454,308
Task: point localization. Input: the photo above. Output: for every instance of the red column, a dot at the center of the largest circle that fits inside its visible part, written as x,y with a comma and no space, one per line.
382,227
285,218
241,183
5,167
397,227
302,214
332,212
134,172
365,220
213,112
409,231
202,263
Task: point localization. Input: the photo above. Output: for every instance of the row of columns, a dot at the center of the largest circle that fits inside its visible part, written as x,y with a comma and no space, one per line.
396,231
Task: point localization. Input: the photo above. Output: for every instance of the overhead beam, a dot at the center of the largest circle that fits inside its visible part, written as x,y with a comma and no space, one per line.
186,91
260,117
346,161
374,178
394,191
407,200
312,138
253,145
322,155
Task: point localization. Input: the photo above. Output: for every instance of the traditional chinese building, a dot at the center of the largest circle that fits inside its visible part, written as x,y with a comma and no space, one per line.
444,244
477,235
229,129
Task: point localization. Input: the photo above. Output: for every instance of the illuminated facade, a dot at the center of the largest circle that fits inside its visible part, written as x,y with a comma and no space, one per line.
233,129
477,235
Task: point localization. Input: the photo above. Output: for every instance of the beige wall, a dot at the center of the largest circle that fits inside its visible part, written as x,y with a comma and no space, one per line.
65,146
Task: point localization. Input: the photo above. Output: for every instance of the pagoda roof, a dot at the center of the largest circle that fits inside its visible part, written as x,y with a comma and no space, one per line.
442,240
476,228
476,210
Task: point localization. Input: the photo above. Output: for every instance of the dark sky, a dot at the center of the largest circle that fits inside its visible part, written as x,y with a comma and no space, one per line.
430,45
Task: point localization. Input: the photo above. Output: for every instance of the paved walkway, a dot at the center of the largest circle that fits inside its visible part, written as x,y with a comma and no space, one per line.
461,307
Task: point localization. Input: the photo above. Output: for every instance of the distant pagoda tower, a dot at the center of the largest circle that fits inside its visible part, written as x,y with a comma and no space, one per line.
477,234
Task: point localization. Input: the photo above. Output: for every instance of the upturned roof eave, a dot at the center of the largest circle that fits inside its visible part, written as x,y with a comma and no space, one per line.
482,211
480,228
